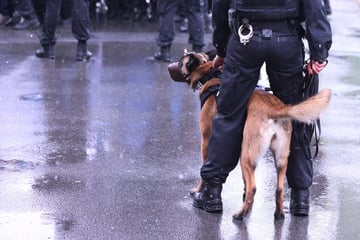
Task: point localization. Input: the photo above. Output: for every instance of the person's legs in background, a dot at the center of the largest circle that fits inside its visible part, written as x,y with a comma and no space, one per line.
166,10
81,28
27,12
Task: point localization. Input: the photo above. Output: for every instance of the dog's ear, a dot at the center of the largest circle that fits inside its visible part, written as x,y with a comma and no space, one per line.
211,54
175,72
193,63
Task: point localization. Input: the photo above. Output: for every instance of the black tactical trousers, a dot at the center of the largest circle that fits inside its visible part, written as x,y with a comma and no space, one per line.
194,10
283,55
80,21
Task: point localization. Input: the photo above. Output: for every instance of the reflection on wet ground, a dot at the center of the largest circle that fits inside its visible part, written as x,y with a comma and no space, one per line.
110,149
14,165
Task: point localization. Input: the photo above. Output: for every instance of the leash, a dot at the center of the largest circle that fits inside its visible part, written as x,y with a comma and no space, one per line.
310,131
205,95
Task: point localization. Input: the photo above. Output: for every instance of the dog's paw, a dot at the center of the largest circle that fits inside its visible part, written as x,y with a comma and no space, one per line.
239,215
279,215
194,190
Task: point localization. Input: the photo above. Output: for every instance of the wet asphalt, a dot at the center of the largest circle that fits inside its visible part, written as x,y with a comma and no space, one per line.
109,149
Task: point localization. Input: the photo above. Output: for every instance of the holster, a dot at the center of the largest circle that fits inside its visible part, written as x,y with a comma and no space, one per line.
234,21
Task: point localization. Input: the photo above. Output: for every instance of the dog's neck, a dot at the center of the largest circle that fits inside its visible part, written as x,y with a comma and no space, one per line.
203,74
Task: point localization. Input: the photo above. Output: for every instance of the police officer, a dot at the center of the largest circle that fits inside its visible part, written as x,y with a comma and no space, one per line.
270,32
166,10
80,28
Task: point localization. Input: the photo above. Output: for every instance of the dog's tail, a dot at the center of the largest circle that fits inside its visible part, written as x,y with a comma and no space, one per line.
310,109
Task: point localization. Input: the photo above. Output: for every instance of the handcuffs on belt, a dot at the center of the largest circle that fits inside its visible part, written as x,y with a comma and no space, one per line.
245,31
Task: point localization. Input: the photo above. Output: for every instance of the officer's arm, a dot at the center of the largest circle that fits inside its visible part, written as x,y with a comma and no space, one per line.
318,30
221,31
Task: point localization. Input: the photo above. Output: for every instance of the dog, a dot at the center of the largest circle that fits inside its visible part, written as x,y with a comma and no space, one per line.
268,123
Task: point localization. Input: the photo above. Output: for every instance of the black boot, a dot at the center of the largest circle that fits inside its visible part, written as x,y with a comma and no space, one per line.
164,54
299,202
27,24
209,198
46,52
82,54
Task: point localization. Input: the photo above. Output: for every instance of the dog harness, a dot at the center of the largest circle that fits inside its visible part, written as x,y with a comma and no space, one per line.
213,73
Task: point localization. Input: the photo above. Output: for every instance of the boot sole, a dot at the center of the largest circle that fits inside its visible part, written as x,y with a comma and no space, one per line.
45,57
209,207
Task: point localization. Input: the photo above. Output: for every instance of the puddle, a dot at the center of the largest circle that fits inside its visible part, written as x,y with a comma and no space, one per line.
55,182
33,225
356,32
355,93
33,97
354,70
15,165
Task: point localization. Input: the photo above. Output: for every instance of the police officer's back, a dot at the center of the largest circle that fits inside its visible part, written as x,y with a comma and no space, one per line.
247,34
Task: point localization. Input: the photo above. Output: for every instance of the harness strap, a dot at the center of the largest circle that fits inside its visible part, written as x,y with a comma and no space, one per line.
213,73
205,95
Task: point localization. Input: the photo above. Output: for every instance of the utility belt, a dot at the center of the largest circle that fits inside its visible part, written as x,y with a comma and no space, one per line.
265,29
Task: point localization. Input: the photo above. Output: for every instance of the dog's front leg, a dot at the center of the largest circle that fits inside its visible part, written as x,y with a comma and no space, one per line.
198,188
204,149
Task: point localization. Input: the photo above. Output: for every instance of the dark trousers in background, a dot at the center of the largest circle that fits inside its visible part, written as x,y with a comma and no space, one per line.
194,10
80,20
25,8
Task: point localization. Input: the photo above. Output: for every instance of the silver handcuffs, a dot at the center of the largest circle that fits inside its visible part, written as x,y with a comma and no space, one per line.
245,38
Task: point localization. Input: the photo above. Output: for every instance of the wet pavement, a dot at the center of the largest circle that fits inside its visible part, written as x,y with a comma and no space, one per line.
109,149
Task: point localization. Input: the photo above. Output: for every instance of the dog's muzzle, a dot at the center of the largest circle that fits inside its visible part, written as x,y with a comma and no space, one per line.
175,73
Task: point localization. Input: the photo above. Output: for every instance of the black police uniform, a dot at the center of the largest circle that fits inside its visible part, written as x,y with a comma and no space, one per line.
166,10
80,27
276,41
80,21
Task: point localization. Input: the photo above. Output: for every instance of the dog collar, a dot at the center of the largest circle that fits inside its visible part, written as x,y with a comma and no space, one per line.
213,73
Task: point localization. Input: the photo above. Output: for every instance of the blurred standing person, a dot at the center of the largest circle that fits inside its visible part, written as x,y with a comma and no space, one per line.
166,9
6,12
26,10
80,24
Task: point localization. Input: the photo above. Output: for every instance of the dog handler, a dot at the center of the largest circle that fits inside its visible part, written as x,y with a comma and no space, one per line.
248,33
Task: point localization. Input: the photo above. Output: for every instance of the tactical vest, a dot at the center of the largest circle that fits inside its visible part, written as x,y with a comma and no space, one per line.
267,9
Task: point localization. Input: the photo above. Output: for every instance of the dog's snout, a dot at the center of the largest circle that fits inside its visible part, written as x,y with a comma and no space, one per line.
175,72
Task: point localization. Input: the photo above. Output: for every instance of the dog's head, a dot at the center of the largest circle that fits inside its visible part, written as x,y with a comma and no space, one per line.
190,62
182,70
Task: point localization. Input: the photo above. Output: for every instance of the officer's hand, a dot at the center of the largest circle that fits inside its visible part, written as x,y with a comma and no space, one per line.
316,67
218,62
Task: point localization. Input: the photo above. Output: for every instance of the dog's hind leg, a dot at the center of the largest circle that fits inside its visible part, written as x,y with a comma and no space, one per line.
250,189
252,148
280,147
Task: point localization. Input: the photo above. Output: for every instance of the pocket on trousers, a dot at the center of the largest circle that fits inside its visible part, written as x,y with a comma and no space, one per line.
226,99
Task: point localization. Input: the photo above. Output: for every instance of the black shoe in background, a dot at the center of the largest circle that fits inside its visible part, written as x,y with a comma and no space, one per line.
46,52
82,53
163,54
27,24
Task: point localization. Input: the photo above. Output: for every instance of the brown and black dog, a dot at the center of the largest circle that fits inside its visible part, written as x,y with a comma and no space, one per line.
268,124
